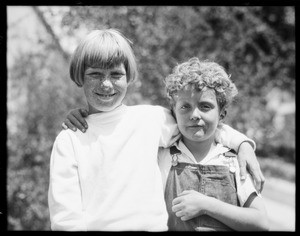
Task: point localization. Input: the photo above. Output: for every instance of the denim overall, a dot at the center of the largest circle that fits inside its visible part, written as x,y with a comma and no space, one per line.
212,180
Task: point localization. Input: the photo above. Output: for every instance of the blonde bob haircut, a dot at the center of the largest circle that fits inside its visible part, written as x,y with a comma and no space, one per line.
105,49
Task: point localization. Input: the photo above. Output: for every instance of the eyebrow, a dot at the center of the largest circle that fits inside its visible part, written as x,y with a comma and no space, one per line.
182,101
118,70
113,69
91,70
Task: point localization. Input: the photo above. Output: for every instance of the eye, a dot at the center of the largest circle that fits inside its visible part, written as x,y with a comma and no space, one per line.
117,75
95,74
185,106
205,107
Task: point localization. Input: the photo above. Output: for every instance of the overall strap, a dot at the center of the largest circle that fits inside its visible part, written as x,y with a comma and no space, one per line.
174,150
174,153
230,153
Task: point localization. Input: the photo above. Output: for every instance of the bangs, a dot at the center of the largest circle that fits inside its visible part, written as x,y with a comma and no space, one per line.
104,55
104,49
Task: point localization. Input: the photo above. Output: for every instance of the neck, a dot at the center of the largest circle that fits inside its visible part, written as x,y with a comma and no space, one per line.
199,149
92,110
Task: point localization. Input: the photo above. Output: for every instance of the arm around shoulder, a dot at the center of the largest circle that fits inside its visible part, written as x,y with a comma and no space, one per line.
245,149
168,127
232,138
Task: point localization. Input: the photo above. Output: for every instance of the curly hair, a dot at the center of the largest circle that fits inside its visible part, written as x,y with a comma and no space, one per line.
201,74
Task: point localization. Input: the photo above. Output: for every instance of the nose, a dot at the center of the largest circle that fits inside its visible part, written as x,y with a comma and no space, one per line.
196,114
107,85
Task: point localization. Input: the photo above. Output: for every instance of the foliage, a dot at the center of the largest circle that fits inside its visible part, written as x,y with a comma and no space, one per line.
37,104
256,45
269,167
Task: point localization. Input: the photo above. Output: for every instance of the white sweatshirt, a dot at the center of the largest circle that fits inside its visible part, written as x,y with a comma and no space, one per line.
108,178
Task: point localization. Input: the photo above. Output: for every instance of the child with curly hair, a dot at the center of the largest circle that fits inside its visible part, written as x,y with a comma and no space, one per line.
203,190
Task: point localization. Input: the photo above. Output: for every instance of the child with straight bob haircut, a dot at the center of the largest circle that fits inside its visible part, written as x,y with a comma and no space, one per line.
108,178
203,189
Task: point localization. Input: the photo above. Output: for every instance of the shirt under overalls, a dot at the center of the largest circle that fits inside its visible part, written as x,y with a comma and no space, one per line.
217,175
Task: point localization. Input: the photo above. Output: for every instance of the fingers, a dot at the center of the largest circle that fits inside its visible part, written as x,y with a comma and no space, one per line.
185,218
83,112
176,200
76,118
176,208
180,197
248,160
259,179
63,125
176,204
180,212
254,170
243,170
262,183
68,125
263,180
179,208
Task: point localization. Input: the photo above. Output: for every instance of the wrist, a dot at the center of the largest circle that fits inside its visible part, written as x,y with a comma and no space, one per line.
209,206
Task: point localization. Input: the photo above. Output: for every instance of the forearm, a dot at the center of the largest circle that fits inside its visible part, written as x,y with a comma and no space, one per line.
232,138
237,218
168,127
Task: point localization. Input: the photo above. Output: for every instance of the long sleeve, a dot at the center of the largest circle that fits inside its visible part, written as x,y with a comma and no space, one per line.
168,127
64,195
232,138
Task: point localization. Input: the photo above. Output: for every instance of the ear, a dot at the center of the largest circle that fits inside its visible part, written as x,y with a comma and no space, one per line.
223,114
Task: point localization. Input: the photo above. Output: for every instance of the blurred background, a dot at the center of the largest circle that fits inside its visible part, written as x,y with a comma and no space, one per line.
256,45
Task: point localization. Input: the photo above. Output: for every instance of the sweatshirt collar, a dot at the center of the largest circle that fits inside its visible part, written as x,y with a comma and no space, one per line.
107,116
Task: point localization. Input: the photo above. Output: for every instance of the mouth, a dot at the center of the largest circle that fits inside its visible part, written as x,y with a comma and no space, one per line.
105,96
196,126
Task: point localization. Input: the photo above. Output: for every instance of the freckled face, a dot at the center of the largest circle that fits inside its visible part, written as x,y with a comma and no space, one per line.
105,89
197,113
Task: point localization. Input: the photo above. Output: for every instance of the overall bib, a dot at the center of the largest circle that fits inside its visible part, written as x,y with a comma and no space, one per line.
212,180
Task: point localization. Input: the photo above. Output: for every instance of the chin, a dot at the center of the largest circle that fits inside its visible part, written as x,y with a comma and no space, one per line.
193,138
199,136
198,139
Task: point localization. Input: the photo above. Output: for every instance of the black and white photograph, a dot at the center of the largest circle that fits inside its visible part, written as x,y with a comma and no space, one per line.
150,118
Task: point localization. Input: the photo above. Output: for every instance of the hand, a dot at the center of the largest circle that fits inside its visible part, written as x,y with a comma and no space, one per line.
189,204
247,159
75,118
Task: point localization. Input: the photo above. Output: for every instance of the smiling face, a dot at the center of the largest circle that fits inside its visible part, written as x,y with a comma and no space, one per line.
105,89
197,113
